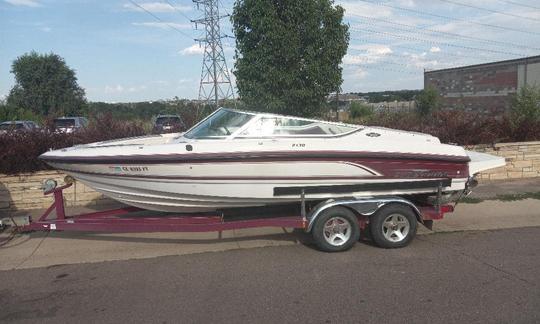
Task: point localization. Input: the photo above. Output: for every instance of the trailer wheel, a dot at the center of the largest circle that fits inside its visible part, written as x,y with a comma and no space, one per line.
336,229
393,226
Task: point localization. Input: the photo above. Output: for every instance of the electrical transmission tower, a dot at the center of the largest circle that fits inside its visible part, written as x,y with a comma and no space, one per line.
215,79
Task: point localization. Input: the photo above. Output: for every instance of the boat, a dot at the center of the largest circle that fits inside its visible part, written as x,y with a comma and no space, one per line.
236,158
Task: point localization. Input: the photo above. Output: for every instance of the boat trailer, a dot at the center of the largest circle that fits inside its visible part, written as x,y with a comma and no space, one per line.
335,223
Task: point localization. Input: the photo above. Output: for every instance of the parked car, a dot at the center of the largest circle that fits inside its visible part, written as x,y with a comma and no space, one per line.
17,126
168,124
69,124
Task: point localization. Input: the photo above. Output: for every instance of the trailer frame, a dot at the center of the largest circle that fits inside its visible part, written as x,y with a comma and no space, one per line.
124,220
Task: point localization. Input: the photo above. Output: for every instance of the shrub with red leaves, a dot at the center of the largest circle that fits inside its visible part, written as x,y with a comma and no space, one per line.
20,150
460,127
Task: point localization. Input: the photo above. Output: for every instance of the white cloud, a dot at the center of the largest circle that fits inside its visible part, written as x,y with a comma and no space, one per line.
359,74
364,9
114,89
160,82
406,3
163,25
154,7
349,59
435,49
371,54
374,49
186,83
136,88
194,49
118,89
25,3
420,61
198,49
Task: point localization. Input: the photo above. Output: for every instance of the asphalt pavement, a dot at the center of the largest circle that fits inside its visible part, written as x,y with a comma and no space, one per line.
461,277
44,249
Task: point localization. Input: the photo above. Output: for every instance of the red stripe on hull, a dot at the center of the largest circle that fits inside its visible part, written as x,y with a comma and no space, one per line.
253,157
389,169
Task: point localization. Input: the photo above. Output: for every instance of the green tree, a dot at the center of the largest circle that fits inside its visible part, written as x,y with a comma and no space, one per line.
526,105
45,85
360,111
288,54
427,101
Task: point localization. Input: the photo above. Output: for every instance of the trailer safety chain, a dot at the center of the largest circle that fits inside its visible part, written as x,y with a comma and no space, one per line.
13,233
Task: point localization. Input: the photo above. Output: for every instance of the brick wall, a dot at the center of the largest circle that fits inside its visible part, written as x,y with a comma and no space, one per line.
24,191
522,160
486,88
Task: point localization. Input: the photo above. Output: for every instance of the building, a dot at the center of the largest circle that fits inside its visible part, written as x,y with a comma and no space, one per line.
392,106
345,100
485,88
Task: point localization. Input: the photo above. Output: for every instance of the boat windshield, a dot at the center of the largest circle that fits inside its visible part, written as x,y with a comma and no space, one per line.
232,123
287,126
219,125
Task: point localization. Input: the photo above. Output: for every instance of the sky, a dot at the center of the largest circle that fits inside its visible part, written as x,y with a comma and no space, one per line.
122,53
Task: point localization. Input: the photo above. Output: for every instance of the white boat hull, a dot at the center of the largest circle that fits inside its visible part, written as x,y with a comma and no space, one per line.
173,191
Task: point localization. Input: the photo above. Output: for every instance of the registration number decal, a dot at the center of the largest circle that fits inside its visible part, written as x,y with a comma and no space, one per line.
128,168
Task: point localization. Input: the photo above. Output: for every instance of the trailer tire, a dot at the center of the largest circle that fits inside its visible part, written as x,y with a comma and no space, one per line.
336,229
393,226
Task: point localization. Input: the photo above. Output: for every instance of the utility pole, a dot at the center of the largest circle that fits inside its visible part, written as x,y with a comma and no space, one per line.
215,82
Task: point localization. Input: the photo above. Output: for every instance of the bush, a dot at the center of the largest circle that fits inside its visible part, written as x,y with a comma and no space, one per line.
9,113
427,101
525,113
360,111
460,127
20,150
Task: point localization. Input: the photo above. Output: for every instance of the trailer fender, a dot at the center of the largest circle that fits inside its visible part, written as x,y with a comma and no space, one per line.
361,206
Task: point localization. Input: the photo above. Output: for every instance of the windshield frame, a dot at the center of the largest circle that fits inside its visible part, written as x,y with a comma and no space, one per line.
259,115
186,134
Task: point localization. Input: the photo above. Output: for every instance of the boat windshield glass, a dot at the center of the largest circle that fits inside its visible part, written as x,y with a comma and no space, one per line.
276,126
219,125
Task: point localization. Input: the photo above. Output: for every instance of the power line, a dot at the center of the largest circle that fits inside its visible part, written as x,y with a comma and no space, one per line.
402,46
371,61
490,10
400,55
410,38
160,20
433,55
449,33
374,67
176,9
519,4
451,18
405,56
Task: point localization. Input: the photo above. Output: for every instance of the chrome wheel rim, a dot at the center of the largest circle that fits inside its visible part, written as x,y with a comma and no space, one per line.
396,227
337,231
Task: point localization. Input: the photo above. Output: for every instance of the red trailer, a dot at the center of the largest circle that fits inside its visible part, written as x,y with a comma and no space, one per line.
335,224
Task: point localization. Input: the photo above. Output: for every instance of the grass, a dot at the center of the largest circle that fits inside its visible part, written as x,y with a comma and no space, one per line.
470,200
520,196
505,197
